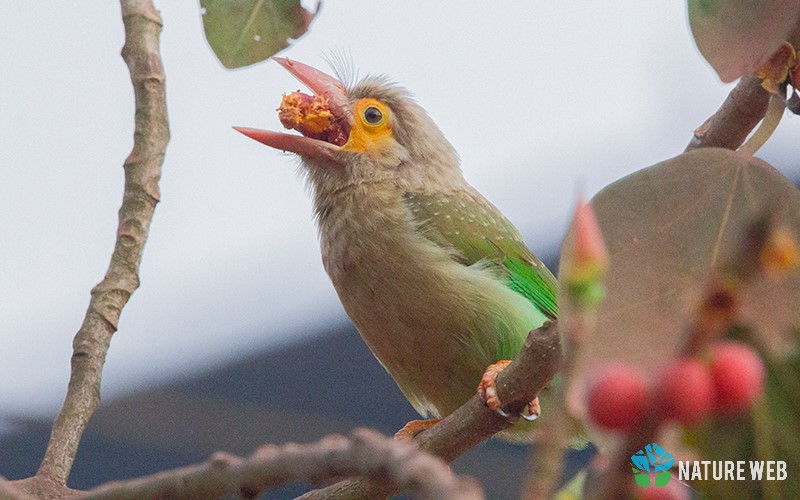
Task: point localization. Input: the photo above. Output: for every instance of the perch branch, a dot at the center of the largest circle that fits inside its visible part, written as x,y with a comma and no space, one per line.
473,422
366,453
12,491
142,173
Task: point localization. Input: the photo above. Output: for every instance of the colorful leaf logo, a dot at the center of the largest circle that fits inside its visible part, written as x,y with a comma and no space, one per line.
653,459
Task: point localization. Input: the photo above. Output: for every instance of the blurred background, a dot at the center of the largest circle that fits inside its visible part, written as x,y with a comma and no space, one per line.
236,337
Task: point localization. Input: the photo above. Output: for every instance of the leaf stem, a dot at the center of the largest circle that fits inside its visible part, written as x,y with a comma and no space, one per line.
775,108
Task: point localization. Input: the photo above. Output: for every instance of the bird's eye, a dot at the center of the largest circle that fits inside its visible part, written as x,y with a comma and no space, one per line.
373,115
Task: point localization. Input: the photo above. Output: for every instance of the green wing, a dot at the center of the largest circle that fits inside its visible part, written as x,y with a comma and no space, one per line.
465,223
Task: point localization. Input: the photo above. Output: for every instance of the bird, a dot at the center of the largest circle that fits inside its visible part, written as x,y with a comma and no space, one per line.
438,282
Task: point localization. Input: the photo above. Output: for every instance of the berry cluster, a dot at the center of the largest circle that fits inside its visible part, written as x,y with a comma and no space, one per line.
687,391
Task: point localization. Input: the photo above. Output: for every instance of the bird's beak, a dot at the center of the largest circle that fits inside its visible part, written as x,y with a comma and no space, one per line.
314,147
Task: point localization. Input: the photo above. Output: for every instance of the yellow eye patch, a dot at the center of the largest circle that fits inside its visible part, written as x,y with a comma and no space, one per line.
372,127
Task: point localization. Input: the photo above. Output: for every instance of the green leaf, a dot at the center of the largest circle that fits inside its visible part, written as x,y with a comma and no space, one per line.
666,228
738,36
244,32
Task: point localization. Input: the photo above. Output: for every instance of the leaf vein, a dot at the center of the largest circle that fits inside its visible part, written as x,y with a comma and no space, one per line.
250,20
725,215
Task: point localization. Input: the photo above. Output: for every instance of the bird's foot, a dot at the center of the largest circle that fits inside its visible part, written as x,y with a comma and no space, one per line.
411,429
488,391
487,388
534,410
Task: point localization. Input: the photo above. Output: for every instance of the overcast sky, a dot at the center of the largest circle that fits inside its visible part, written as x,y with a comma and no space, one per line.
541,99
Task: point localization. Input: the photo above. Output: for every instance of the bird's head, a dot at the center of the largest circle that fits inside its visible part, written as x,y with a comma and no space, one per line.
372,131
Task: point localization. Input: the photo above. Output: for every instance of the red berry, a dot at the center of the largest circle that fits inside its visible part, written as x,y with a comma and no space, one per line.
686,391
738,374
618,397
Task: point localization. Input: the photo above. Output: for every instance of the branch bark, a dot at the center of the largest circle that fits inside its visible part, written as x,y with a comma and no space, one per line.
745,106
473,422
366,453
8,490
735,119
142,173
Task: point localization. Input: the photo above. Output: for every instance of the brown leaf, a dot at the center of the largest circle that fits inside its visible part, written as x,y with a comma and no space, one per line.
737,36
667,227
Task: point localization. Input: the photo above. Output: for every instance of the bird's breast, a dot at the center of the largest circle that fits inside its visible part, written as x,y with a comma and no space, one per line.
433,323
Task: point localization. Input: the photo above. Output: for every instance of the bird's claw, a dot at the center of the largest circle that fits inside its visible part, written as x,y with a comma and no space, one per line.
534,410
487,388
503,413
488,391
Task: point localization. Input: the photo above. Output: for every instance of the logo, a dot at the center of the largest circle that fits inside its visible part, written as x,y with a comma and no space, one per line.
651,467
652,462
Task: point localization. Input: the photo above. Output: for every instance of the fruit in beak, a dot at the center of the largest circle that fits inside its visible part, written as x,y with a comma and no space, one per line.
323,118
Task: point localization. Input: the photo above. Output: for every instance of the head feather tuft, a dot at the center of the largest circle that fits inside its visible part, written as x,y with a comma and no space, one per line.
341,62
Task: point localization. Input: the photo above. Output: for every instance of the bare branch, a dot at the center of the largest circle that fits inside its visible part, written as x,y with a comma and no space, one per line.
142,173
10,490
745,106
366,453
473,422
735,119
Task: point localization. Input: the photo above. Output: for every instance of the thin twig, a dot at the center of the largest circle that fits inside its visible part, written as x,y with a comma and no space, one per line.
473,422
142,173
772,118
366,453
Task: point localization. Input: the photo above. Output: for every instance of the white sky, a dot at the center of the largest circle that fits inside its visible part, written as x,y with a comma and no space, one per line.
541,99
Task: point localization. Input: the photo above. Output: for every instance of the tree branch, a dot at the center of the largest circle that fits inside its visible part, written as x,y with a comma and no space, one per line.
473,422
10,490
745,106
366,453
735,119
142,173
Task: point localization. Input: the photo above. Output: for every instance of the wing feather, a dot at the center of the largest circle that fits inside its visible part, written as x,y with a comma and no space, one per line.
476,233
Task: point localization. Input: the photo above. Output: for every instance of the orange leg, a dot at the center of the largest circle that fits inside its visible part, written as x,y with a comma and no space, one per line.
411,429
488,391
